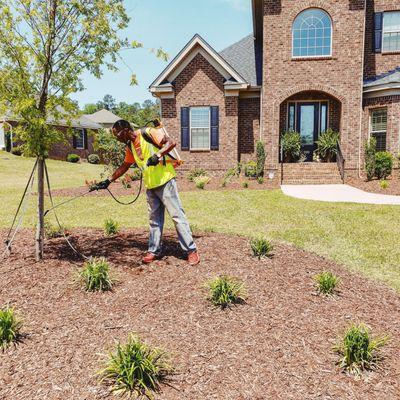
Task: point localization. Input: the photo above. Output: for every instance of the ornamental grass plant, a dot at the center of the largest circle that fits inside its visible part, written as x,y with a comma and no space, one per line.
224,291
327,282
95,275
111,227
10,326
261,247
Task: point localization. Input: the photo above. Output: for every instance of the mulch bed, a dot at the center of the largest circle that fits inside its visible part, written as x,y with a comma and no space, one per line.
278,345
184,185
374,185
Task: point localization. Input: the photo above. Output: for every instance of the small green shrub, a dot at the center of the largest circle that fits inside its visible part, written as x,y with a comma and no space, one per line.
135,368
225,290
250,169
54,231
17,151
73,158
245,184
384,184
10,326
110,227
195,173
383,164
260,180
260,156
95,275
201,181
327,145
93,159
369,154
327,282
291,145
358,349
261,247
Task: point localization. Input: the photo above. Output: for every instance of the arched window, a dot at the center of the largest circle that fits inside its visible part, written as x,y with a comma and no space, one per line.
312,34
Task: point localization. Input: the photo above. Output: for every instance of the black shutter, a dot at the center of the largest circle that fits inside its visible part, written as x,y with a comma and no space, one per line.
74,139
378,22
214,127
85,139
185,140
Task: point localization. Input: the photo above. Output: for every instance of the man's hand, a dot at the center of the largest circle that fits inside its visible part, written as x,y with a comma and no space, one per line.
153,160
101,185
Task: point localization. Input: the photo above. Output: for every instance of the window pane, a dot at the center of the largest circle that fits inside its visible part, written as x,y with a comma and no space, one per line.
200,117
391,21
379,120
79,141
314,27
380,140
200,138
291,117
323,117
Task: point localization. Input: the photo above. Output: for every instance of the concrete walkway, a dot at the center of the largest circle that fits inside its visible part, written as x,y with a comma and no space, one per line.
338,193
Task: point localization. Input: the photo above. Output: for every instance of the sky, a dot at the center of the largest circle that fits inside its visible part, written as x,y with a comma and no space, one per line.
169,24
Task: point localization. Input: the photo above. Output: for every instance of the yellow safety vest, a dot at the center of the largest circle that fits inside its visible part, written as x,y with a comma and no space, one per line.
153,176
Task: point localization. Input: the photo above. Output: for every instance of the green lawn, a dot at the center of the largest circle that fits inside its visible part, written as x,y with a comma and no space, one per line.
363,237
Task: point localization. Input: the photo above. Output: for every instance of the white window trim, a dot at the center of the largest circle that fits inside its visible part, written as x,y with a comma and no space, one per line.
370,131
83,134
200,127
321,56
388,31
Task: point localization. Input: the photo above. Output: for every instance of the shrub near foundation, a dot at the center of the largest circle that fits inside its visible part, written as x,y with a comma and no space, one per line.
383,164
195,173
201,181
225,290
137,369
359,350
10,327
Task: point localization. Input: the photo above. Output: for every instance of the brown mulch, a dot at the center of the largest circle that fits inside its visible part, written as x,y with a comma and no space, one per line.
184,185
278,345
374,185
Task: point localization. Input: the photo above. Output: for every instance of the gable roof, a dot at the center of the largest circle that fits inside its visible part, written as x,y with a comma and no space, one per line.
246,57
388,80
195,45
103,117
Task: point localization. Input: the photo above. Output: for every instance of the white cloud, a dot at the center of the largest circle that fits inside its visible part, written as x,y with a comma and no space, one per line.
239,5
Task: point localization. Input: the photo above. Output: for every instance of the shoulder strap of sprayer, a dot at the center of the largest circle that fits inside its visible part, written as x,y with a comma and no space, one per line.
150,140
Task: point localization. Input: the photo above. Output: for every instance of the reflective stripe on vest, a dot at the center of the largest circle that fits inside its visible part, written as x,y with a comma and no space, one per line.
153,176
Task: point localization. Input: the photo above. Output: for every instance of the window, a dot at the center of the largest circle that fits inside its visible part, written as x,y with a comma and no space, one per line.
391,31
79,142
320,112
200,128
378,128
312,34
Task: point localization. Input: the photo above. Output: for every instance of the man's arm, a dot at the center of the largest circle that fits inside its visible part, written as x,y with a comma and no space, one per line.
120,171
161,136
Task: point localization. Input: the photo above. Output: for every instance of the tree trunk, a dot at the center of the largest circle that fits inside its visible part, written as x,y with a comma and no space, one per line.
40,222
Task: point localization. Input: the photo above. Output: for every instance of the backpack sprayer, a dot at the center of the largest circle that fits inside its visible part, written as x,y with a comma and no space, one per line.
173,154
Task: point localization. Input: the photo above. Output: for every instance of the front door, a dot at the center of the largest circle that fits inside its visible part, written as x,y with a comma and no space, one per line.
308,127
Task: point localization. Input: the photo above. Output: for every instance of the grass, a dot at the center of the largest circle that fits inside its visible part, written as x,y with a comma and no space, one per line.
358,349
10,327
362,237
137,369
95,275
224,291
327,282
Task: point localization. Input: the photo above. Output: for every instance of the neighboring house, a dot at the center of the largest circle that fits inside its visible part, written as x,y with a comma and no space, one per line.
81,142
103,117
308,66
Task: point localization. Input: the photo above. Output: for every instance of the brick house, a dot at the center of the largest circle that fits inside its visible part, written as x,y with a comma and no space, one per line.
309,65
80,143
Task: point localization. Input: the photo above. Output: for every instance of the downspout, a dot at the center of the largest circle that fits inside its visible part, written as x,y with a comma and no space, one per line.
362,91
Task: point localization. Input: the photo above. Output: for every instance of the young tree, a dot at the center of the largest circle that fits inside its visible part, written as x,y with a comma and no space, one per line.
45,46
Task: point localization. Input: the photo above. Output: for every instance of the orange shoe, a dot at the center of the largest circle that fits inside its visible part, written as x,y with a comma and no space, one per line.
149,258
193,258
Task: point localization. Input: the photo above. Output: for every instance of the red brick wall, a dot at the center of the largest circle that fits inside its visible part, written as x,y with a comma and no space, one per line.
340,76
378,63
392,104
249,127
200,84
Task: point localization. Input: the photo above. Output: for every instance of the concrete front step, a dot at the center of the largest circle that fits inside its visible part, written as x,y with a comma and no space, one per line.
311,173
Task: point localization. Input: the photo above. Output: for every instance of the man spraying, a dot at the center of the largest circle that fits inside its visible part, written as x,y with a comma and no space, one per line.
149,149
